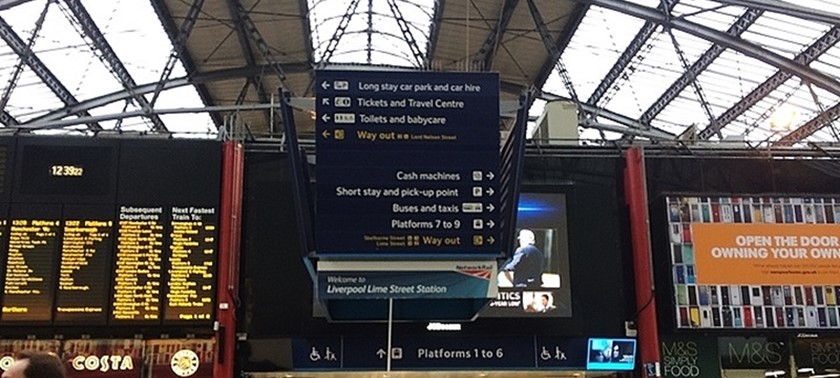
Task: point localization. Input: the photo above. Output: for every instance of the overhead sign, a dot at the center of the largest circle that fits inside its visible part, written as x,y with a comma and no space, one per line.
428,353
407,162
402,280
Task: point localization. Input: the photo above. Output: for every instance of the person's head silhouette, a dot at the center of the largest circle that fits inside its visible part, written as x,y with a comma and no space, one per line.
526,237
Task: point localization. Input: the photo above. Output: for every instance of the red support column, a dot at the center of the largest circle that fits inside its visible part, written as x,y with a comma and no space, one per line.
636,196
233,158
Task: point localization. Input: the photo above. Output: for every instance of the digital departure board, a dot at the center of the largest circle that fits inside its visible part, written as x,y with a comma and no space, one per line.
31,259
108,232
85,260
138,264
189,294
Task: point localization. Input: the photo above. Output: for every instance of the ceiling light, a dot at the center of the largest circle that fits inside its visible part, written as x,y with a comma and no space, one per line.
783,119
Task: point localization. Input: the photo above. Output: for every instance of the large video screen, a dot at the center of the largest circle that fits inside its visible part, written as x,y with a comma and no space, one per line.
755,262
110,232
534,281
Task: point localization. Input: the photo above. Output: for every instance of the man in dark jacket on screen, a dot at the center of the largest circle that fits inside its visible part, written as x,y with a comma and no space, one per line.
526,263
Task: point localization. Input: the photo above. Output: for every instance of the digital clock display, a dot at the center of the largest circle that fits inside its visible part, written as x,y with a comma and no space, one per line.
67,171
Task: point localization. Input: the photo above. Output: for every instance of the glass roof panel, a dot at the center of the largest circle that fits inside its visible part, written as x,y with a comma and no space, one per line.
596,45
29,86
707,13
783,34
831,6
125,25
133,31
648,78
179,98
725,82
828,63
790,98
64,52
372,34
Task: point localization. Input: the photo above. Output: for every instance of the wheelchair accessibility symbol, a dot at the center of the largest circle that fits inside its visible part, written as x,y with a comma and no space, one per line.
315,355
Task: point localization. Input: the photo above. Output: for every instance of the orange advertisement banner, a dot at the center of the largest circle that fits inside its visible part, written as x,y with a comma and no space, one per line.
766,254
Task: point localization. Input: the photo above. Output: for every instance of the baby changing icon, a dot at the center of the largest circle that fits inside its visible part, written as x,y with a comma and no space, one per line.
315,355
546,354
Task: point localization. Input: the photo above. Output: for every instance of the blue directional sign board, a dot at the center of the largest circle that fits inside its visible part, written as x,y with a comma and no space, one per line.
407,163
429,353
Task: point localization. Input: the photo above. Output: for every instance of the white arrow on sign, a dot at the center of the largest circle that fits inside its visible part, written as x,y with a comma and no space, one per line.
325,101
325,118
490,207
490,191
325,134
491,240
490,224
490,175
325,85
381,353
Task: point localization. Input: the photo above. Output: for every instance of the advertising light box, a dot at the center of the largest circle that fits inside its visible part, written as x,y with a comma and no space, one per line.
755,262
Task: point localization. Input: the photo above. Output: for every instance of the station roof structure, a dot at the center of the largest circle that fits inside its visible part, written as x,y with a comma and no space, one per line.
763,71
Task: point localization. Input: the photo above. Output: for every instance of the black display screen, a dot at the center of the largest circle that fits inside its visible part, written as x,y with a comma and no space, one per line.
66,170
109,232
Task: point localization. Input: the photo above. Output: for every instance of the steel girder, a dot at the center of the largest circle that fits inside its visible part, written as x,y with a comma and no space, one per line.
6,4
736,29
369,31
788,8
821,120
178,46
262,45
434,29
8,119
47,77
592,112
752,50
196,79
553,51
747,48
339,32
491,43
310,50
627,56
248,53
807,56
92,31
562,41
15,76
189,65
405,29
